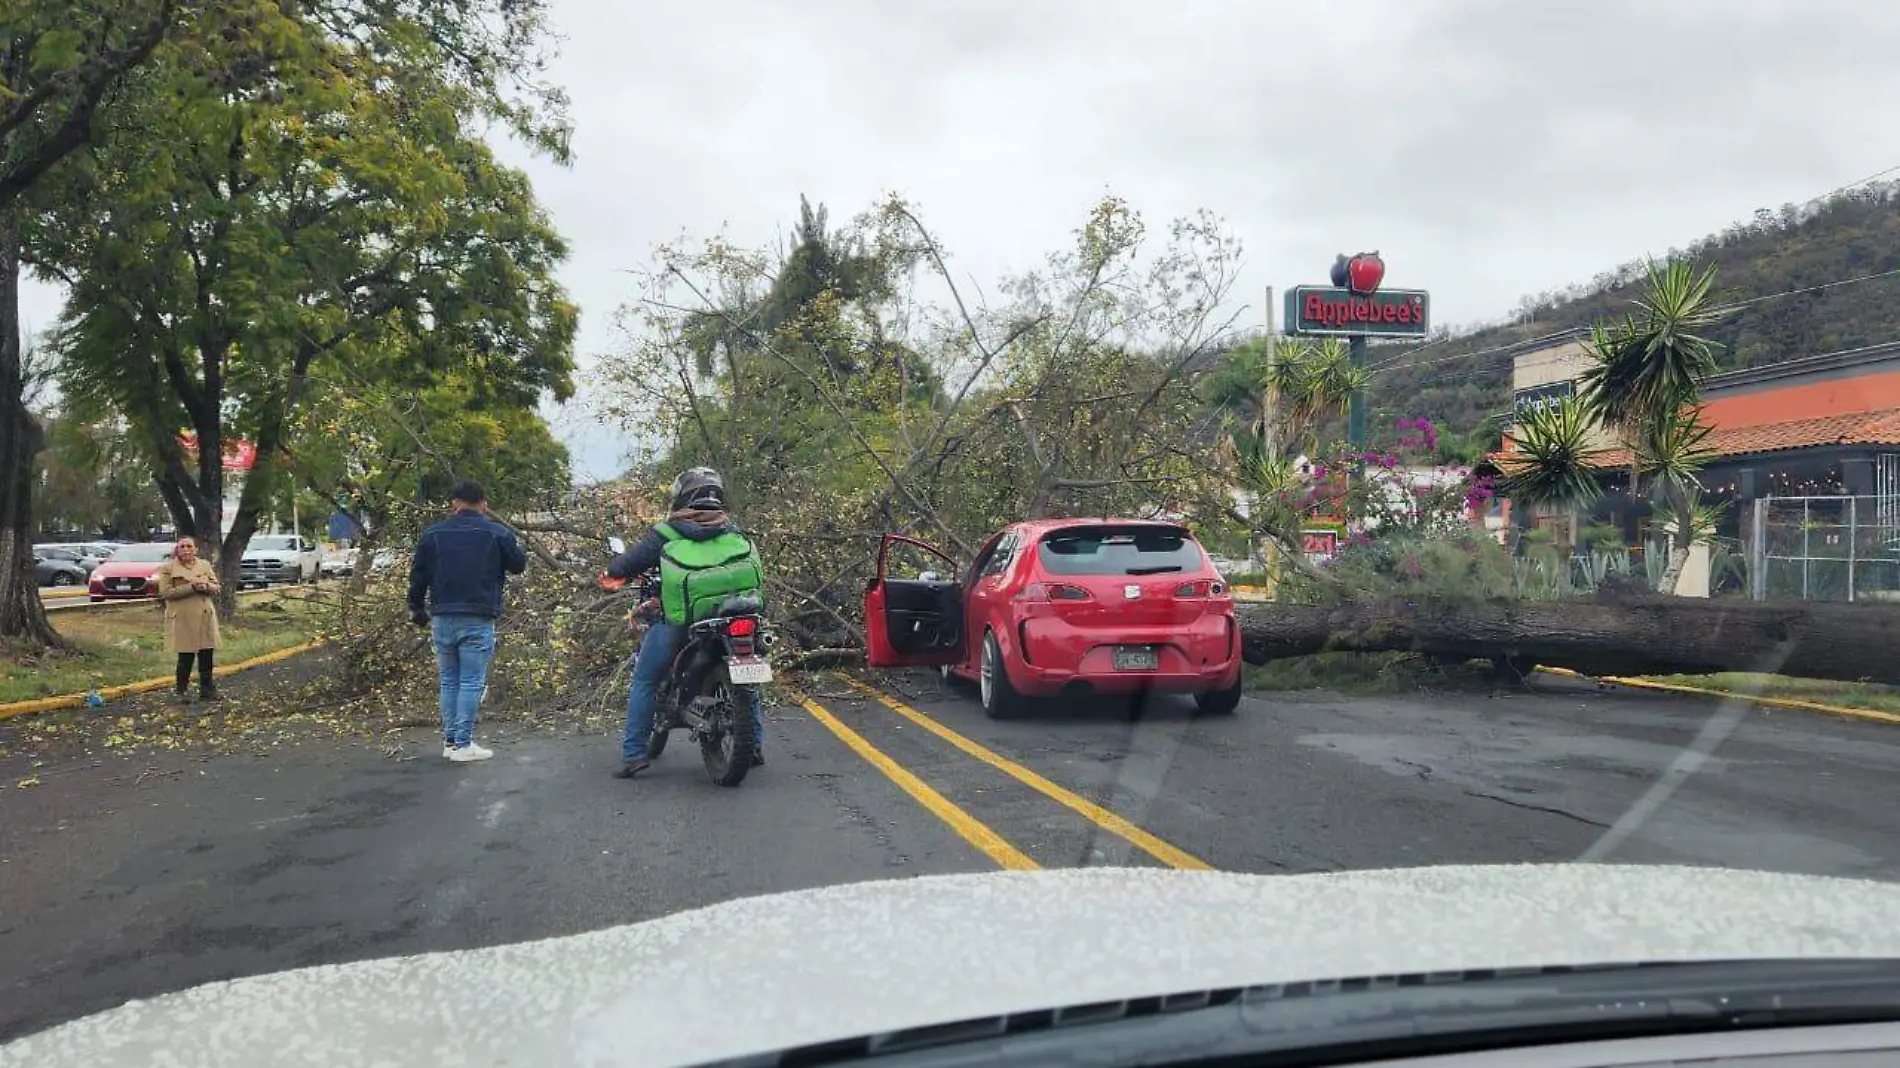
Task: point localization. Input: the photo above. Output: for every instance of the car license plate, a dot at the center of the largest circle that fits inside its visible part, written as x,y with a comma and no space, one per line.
1136,658
751,671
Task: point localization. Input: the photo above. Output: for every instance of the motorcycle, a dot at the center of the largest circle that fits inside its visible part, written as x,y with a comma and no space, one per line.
708,688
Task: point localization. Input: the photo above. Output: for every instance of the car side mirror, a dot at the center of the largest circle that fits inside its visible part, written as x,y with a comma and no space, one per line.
616,546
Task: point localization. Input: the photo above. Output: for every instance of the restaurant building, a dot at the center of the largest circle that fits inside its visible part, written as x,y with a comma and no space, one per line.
1820,430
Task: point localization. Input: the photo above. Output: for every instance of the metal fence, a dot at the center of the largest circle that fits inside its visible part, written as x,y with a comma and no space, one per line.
1824,548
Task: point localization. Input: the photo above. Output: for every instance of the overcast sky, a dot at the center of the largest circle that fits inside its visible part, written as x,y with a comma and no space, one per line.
1488,148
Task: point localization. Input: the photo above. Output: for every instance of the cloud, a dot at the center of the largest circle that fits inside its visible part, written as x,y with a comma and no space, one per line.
1489,148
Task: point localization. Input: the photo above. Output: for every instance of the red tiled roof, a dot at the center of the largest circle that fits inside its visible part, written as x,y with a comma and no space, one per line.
1851,428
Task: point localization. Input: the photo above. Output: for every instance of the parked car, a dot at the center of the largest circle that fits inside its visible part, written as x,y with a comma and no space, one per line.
338,563
81,556
54,567
278,558
127,572
1066,606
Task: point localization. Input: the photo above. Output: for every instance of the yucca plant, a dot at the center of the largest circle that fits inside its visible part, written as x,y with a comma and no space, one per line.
1555,464
1670,451
1645,380
1653,362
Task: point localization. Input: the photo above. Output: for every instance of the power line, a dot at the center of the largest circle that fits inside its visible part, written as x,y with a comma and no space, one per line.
1720,310
1837,191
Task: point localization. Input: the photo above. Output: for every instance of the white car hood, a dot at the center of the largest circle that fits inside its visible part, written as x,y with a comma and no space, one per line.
764,973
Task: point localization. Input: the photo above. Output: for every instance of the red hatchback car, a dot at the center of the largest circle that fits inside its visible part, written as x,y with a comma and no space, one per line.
126,572
1066,606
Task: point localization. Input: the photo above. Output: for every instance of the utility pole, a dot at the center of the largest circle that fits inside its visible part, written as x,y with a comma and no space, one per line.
1356,408
1269,439
1270,393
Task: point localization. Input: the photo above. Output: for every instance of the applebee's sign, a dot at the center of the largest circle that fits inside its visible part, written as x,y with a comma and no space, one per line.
1355,305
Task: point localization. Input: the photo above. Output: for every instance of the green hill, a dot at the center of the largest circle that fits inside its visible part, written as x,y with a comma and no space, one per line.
1790,276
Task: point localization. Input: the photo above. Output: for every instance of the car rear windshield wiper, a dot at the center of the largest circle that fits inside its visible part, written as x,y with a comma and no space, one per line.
1374,1018
1158,569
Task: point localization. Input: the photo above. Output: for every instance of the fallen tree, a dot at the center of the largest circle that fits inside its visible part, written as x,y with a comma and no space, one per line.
1620,635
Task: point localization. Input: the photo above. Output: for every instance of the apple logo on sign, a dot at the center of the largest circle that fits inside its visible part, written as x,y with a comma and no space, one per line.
1339,272
1364,272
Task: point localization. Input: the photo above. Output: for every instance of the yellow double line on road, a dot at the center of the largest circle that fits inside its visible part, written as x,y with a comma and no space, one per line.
969,827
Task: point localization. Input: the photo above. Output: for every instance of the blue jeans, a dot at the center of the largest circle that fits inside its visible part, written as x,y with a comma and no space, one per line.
464,647
650,664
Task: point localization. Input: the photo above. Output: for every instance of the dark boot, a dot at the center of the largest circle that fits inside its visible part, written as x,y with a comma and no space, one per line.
210,693
181,696
632,767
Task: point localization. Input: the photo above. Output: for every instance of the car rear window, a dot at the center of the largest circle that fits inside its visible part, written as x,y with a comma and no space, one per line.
1119,551
142,554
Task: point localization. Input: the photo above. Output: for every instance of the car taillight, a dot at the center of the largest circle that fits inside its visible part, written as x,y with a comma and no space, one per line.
1201,588
743,627
1053,591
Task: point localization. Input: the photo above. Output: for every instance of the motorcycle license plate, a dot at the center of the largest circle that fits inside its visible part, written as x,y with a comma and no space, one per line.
750,671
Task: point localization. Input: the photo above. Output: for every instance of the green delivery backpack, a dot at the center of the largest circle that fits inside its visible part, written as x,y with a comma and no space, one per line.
697,576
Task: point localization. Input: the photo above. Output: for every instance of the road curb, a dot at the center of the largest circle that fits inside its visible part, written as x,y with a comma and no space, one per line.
114,693
1702,691
128,602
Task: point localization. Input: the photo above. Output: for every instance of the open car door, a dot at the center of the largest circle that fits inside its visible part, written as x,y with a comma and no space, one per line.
913,621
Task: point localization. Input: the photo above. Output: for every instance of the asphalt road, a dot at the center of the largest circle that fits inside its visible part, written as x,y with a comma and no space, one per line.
131,876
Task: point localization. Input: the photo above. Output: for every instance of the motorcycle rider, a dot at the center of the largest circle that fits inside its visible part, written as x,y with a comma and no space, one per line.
698,514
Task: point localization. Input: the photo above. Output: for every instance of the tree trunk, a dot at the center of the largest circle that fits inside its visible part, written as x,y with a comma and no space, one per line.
1672,571
22,614
231,559
1607,636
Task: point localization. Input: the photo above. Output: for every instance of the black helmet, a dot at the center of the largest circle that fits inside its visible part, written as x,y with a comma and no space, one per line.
700,487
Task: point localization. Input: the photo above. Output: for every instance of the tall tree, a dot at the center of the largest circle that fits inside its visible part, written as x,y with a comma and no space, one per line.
344,217
60,61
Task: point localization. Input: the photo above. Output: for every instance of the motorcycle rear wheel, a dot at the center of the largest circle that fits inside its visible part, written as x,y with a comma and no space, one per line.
728,754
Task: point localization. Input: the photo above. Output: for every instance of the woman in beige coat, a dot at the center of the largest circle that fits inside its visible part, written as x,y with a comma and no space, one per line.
188,588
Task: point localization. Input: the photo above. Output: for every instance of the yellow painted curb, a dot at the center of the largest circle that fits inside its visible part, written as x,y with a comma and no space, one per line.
1703,691
114,693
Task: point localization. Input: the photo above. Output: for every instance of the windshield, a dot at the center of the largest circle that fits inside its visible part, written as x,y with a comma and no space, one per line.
142,554
1285,465
1118,551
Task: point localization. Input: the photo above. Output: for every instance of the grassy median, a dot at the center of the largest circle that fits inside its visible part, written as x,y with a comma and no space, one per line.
1865,695
127,644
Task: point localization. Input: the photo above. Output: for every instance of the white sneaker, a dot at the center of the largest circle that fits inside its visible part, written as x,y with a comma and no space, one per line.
468,753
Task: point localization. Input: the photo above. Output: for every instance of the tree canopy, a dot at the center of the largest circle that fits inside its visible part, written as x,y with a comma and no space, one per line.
343,216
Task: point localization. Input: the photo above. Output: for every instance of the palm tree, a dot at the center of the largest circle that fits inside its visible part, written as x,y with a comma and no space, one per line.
1285,395
1646,371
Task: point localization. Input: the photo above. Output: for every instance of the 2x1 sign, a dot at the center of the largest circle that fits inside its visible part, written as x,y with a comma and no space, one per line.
1319,543
1384,313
